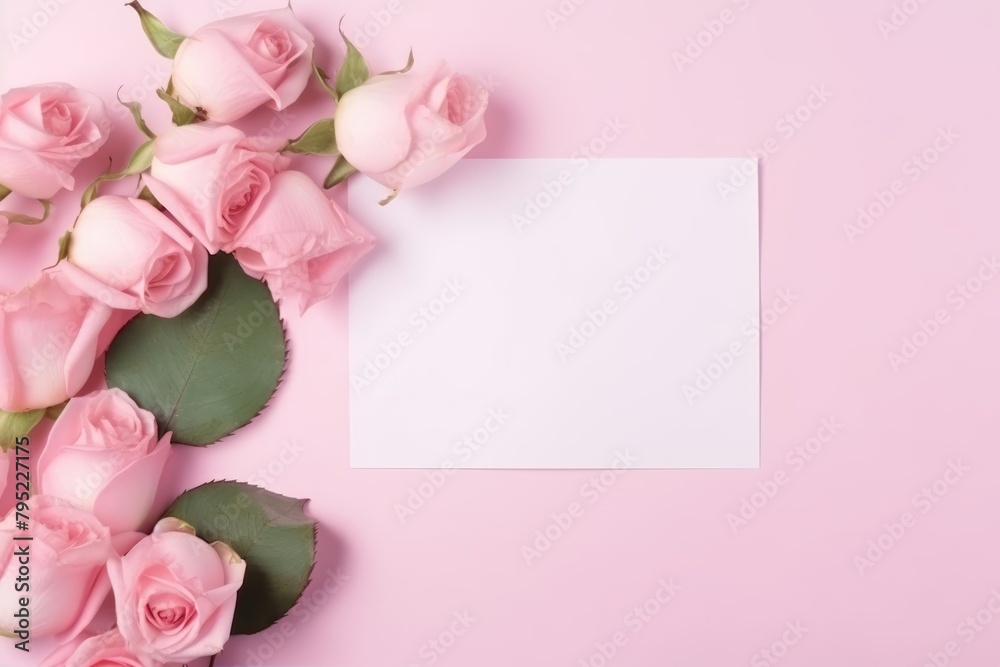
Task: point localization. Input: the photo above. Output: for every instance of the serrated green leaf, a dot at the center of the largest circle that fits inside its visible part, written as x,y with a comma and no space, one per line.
22,219
14,425
270,532
341,170
136,109
179,114
318,139
140,161
354,71
409,66
210,370
165,41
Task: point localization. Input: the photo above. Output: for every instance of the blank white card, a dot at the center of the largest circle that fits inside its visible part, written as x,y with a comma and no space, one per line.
559,314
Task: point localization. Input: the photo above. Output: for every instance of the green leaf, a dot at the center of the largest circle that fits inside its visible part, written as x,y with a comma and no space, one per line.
14,425
341,170
270,532
4,191
140,161
136,110
354,71
409,66
165,41
210,370
23,219
322,76
318,139
180,114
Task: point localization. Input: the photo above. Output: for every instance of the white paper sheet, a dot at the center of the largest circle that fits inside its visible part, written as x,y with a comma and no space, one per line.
536,313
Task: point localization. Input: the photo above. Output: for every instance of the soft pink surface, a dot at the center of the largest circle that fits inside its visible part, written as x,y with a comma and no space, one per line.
826,358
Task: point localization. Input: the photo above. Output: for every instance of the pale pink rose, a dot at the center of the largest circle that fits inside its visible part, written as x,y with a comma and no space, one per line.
301,242
231,67
212,178
68,554
403,130
45,131
107,650
50,336
175,595
103,454
127,254
4,224
4,472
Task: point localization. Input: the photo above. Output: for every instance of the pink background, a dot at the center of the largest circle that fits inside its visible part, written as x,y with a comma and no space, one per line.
826,358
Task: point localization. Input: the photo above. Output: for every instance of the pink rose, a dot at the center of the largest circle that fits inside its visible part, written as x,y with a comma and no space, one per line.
231,67
103,454
4,471
403,130
107,650
175,595
50,336
127,254
4,224
68,553
212,179
300,241
45,131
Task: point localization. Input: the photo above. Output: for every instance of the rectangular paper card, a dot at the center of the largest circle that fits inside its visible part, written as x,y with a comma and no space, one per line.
543,313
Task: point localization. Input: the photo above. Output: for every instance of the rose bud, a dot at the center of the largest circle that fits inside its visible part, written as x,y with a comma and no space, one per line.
175,595
107,650
103,454
45,131
405,129
50,336
212,179
230,67
127,254
301,242
69,550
